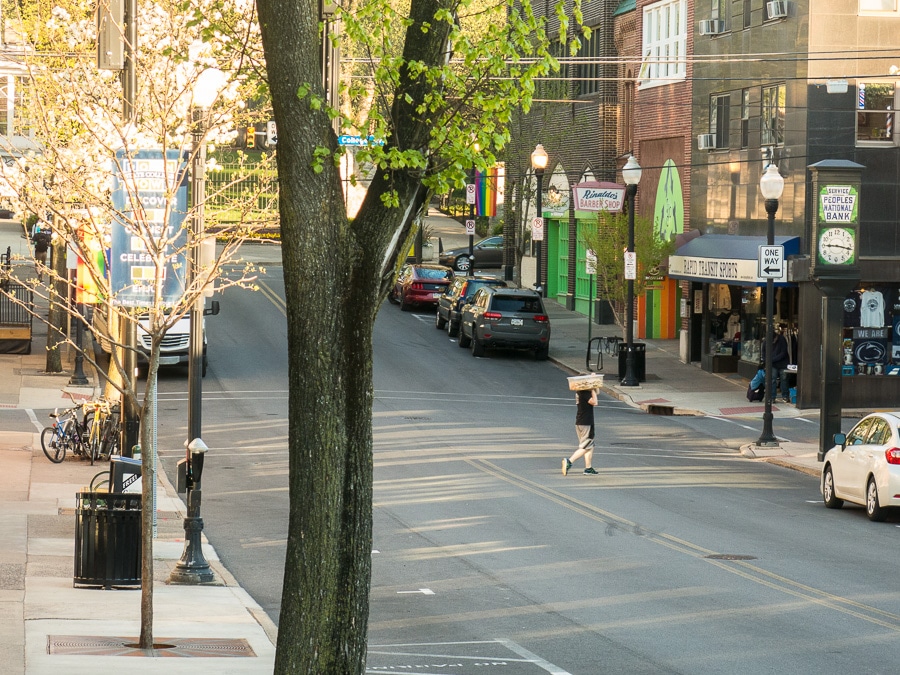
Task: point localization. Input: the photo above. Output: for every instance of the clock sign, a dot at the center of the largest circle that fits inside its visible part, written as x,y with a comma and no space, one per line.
837,246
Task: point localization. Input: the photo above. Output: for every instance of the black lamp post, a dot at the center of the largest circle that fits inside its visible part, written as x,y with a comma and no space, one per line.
193,568
631,174
771,185
539,163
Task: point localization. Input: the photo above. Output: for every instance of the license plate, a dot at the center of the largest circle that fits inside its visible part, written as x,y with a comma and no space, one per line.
516,322
435,295
168,360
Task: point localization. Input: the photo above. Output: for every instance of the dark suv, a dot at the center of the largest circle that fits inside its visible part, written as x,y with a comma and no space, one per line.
451,302
505,317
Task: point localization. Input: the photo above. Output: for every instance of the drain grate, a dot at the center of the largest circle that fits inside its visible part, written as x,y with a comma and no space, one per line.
730,556
98,645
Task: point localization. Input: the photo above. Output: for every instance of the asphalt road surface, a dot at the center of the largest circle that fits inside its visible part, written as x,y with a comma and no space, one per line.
680,557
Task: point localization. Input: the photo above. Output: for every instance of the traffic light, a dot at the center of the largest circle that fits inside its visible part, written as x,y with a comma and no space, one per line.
251,137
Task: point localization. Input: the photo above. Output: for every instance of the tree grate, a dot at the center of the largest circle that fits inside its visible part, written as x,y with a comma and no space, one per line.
98,645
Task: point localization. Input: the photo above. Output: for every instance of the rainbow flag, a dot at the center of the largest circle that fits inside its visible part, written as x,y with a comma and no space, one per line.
486,192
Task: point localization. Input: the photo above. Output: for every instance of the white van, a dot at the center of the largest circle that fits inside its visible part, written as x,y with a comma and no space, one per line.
175,349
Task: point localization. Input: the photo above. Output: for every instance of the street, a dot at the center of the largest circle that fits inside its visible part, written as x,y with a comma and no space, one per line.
680,557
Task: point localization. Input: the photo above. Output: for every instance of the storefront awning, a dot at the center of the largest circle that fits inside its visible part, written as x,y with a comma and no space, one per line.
725,258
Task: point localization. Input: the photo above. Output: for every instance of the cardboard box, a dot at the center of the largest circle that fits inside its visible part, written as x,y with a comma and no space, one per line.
582,382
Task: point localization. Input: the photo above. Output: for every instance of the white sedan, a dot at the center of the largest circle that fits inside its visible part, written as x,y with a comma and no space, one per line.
864,466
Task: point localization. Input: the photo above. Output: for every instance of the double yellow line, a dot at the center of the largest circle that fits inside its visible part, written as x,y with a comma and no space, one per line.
272,296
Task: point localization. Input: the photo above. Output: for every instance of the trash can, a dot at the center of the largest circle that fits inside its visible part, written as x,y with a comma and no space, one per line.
640,360
107,539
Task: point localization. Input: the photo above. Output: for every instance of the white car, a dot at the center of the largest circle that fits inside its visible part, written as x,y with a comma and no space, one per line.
863,467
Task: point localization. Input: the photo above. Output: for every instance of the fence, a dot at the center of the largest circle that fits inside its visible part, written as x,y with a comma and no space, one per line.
233,191
16,311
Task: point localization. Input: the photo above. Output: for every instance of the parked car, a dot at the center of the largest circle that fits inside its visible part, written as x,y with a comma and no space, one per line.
452,300
511,318
863,467
487,253
420,284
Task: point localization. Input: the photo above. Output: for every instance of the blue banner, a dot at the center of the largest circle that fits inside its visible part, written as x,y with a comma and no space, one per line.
142,180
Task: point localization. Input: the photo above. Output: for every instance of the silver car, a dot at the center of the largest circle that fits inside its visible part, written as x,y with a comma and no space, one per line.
511,318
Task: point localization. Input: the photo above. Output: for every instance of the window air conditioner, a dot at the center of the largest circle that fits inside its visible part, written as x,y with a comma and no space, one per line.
712,27
706,142
777,9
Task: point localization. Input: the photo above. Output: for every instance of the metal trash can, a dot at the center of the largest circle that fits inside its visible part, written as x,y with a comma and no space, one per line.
640,360
107,539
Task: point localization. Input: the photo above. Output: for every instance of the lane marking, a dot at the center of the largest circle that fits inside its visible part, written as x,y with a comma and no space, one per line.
423,591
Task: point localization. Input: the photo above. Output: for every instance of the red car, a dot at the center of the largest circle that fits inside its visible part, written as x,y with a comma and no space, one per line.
420,284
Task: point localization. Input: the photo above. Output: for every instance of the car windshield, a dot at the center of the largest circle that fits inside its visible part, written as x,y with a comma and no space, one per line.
512,303
428,273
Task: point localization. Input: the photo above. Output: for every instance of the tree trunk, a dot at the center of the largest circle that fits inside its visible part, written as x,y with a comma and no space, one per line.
334,285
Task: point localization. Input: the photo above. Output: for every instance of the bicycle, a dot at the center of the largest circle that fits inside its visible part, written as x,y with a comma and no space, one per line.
64,435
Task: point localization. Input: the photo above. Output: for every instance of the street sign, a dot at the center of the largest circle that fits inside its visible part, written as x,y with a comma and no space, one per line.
630,265
470,193
470,227
271,133
537,229
770,264
590,262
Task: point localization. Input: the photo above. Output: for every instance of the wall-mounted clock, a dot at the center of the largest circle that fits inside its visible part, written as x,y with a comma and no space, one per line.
837,246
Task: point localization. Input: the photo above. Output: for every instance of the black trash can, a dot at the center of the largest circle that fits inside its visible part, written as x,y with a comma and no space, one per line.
640,360
108,539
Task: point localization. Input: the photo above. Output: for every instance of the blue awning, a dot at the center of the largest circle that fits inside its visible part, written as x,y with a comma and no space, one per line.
725,259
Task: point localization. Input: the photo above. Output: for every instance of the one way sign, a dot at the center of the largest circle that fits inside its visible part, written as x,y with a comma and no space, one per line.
771,262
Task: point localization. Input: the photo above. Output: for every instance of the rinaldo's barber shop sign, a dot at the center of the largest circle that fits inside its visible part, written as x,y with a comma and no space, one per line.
596,196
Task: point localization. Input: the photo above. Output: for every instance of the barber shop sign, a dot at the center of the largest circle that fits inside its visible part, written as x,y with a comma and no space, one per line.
596,196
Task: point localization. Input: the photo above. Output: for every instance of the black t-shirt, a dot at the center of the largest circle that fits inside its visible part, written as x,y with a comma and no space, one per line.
584,412
41,242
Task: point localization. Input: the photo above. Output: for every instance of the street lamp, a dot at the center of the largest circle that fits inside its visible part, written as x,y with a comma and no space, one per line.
539,163
771,185
193,568
631,174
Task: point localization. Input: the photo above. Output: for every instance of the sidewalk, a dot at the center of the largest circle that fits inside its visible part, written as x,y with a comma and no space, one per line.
41,612
46,625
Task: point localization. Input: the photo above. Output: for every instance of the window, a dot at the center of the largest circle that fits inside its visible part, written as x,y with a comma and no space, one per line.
555,86
719,118
773,115
748,8
745,118
718,10
587,75
875,113
858,435
628,117
664,43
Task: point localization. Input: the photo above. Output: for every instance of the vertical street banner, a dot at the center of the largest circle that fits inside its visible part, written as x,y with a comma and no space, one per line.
86,289
486,192
149,195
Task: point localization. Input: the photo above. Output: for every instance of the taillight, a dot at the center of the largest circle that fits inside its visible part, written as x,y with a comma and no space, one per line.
493,315
541,318
892,455
417,286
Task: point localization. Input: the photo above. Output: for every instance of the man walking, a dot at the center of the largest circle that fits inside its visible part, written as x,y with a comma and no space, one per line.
41,241
585,400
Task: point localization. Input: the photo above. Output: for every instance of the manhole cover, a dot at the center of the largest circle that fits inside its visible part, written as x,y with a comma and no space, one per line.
98,645
730,556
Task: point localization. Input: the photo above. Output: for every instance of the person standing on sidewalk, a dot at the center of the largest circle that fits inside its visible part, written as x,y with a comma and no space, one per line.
585,400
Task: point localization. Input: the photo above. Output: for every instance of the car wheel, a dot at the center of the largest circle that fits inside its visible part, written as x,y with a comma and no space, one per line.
542,353
439,321
463,340
873,508
831,501
462,263
477,347
392,297
404,305
452,328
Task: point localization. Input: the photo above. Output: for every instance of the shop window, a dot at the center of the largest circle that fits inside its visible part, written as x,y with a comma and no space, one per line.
664,43
871,337
875,113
